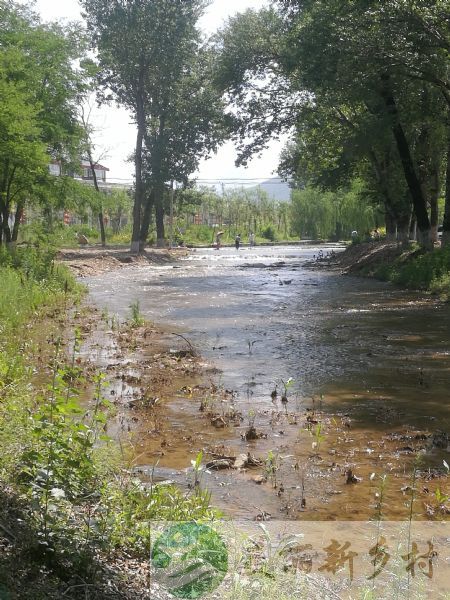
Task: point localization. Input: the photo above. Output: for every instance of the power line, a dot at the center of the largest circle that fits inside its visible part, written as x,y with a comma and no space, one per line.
241,179
265,180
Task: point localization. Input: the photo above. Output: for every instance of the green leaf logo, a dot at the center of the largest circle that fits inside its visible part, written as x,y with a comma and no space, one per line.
190,560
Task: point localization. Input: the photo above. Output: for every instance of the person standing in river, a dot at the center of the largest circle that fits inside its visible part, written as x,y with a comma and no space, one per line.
251,239
237,241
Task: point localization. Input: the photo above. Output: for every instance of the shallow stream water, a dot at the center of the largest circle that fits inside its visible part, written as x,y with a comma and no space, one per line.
370,365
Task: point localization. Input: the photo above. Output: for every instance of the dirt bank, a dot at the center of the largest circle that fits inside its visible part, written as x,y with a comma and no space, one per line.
362,258
95,260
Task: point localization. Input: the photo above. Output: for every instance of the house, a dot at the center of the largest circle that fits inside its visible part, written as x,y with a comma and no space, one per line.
85,175
88,173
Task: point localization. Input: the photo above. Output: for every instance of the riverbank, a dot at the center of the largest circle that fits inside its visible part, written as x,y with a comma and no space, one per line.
411,267
93,260
73,517
259,318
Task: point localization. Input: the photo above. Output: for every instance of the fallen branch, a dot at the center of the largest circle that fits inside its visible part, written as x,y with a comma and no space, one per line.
191,347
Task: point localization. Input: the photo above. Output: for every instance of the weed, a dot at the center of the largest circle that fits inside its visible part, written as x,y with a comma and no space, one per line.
272,465
78,498
197,469
420,270
302,473
286,386
318,436
136,319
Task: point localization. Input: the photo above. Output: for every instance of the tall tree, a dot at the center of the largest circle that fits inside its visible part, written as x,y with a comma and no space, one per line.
182,128
42,81
343,60
88,153
146,50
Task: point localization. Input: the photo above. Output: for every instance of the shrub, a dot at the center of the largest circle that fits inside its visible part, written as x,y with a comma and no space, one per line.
420,270
269,233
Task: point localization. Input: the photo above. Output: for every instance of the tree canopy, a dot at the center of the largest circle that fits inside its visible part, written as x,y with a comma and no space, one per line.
152,61
42,81
363,89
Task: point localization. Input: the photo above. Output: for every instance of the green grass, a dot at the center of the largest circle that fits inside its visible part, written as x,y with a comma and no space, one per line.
66,491
30,279
422,270
64,236
203,235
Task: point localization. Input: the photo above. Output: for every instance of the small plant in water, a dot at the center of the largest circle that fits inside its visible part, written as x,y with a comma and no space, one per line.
137,320
274,393
272,467
302,474
286,385
197,469
318,436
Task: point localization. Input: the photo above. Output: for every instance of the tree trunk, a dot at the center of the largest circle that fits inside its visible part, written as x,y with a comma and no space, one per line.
147,218
101,222
446,223
391,228
139,187
412,180
19,212
403,224
159,213
5,225
4,210
434,215
413,228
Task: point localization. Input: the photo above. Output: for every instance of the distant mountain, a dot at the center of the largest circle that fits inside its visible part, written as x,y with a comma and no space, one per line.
276,189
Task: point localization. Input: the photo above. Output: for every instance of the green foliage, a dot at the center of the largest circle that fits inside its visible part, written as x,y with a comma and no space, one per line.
272,466
77,496
235,211
41,85
332,215
197,234
129,507
30,280
419,270
57,236
152,59
331,72
136,318
269,233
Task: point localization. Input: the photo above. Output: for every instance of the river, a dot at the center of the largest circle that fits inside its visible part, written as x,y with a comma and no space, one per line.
369,365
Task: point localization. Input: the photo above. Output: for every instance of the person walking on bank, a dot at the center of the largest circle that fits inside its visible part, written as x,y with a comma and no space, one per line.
251,239
237,241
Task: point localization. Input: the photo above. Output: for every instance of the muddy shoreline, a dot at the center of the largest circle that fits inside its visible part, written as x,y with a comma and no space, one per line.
324,447
169,406
94,260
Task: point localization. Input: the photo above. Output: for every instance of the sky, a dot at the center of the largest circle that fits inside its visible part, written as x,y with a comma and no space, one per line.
115,134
